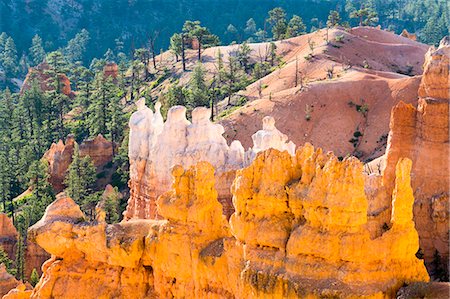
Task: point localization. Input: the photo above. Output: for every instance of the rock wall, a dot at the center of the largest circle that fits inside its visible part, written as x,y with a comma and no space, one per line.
59,157
299,230
422,134
7,281
34,254
155,146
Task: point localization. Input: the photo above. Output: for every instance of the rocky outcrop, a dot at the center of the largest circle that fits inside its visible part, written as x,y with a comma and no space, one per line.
34,254
411,36
111,70
59,157
299,229
422,134
20,292
7,281
155,146
40,75
8,236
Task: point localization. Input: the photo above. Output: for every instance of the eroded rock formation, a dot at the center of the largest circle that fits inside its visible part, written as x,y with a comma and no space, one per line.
7,281
34,254
155,146
422,134
8,235
59,157
299,229
40,75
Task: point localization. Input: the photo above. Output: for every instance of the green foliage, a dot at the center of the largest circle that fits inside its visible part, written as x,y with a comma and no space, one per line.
277,20
5,260
76,47
34,277
37,51
175,45
8,56
80,179
334,19
295,27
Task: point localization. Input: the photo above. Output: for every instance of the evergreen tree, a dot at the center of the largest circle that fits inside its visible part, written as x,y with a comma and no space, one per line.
117,119
8,58
243,56
295,27
202,34
76,47
5,260
80,179
42,192
334,19
175,45
98,116
37,51
277,19
250,27
232,31
197,86
34,277
59,101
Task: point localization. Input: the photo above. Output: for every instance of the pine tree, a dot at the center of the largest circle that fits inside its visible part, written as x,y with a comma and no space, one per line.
9,58
333,19
76,47
250,27
117,119
295,27
80,178
5,260
59,101
277,19
204,37
175,45
42,192
37,51
197,87
34,277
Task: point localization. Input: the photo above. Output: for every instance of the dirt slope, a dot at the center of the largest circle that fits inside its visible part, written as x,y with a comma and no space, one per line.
348,114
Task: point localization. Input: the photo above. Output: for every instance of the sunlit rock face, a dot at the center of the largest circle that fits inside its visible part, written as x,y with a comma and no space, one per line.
299,230
34,255
59,157
422,134
7,281
155,146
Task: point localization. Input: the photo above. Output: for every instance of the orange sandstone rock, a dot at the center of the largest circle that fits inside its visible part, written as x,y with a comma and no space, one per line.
7,281
59,157
300,229
422,135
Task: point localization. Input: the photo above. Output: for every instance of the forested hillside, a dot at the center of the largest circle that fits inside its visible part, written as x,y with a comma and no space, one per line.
132,22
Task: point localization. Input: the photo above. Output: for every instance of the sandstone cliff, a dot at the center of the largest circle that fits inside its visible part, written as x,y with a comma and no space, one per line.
300,229
59,157
34,254
422,134
155,146
7,281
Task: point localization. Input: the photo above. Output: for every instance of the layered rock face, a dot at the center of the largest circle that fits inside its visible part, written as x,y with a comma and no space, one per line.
300,229
34,255
7,281
422,134
59,157
155,146
8,235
